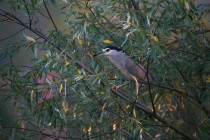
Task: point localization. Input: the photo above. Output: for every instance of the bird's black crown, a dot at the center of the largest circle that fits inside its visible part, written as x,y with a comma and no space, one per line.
113,48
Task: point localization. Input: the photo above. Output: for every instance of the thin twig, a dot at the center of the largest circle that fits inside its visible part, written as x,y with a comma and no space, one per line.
28,12
148,80
12,35
48,12
45,134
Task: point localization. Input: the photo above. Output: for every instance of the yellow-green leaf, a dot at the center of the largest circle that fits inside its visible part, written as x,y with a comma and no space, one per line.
155,38
67,63
61,87
47,55
186,4
86,11
79,72
32,95
107,41
65,106
80,42
205,23
208,79
22,124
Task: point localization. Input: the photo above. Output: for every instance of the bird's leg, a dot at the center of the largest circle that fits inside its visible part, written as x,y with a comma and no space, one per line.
137,95
137,85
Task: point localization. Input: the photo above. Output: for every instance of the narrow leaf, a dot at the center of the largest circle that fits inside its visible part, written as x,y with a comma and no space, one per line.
155,38
61,87
186,4
107,41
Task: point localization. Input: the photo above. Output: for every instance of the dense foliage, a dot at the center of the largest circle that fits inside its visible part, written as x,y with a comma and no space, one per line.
66,93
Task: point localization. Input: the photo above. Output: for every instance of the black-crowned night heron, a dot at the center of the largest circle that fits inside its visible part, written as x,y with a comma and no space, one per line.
126,65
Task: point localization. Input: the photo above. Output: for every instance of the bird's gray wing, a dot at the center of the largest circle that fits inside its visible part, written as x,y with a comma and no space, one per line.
138,71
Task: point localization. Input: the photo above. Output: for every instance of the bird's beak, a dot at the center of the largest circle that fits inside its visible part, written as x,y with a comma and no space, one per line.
98,53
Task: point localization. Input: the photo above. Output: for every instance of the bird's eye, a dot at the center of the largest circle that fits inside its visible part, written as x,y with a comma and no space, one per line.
107,50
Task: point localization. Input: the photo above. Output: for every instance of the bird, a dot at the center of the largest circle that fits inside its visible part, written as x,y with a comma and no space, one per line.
133,71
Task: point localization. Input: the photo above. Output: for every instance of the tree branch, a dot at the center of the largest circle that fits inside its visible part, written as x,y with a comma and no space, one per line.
149,112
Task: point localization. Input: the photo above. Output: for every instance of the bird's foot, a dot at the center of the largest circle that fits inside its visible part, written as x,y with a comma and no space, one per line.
116,87
119,86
